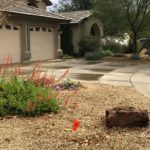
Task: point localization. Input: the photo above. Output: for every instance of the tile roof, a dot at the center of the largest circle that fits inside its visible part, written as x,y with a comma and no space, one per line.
21,8
77,16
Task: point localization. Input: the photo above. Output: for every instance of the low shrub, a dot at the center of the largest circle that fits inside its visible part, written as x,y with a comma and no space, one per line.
113,46
106,53
68,85
88,44
23,97
26,95
67,57
94,55
135,56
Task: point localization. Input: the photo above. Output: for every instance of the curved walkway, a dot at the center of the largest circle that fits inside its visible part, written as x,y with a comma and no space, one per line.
137,76
114,73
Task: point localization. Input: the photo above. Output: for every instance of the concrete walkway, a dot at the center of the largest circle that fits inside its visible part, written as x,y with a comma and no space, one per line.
114,73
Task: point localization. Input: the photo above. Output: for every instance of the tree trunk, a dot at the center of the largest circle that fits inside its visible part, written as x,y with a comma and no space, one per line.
135,42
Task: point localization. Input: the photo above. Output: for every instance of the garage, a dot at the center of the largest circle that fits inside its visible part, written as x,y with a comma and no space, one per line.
10,43
41,43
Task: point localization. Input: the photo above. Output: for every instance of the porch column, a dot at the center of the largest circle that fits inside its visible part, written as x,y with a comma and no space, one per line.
26,54
59,51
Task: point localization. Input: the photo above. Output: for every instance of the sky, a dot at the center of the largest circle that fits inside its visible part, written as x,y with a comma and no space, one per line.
54,1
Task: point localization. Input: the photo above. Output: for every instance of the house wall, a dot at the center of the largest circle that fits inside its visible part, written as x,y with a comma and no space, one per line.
83,29
25,23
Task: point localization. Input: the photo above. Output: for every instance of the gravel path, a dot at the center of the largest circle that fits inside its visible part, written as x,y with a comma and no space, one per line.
53,131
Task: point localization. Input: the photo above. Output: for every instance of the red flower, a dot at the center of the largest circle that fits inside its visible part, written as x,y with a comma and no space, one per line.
65,102
49,97
40,98
76,124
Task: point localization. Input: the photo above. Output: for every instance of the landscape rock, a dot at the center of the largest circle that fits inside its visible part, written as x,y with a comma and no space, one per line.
126,117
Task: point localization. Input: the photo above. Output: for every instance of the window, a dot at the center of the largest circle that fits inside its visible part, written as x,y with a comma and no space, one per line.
49,30
15,28
44,29
8,27
37,29
31,29
95,31
1,26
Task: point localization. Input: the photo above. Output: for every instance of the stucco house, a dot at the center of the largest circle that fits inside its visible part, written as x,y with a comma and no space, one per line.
29,33
83,23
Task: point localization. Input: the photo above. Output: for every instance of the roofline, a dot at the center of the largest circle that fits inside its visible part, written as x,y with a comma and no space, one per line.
30,14
80,21
15,12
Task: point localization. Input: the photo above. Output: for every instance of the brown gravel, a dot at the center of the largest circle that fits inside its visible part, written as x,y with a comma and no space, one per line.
53,131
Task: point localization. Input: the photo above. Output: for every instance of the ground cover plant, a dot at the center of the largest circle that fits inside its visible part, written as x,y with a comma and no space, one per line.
29,95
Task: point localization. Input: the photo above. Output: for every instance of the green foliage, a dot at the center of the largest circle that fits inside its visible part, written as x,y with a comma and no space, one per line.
94,55
124,16
23,97
135,56
88,44
67,57
113,47
73,5
112,15
106,53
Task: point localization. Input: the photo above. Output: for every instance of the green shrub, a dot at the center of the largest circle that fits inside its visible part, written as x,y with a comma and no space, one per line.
106,53
88,44
94,55
67,57
23,97
113,46
135,56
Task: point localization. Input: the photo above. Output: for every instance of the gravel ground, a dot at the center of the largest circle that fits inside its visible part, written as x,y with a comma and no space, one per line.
53,131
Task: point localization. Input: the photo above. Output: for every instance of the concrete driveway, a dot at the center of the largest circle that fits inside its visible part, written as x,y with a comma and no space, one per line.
114,73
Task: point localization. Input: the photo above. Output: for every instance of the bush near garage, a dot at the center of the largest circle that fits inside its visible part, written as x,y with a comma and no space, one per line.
113,47
88,44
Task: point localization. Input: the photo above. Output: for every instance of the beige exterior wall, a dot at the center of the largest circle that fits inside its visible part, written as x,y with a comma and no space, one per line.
83,29
48,42
10,43
22,45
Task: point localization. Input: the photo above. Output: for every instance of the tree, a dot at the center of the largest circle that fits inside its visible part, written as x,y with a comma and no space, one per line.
73,5
120,16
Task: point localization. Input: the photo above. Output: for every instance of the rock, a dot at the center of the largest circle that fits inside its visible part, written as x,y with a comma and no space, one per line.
126,117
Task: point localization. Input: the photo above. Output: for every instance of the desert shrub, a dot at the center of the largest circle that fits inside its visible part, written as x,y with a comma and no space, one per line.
88,44
135,56
113,46
26,95
23,97
94,55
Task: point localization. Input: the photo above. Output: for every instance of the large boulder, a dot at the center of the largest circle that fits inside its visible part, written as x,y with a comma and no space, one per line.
126,117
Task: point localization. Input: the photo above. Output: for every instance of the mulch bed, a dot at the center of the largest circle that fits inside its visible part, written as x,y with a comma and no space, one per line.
53,131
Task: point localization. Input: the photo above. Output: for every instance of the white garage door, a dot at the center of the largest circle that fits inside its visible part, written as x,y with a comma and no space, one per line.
41,43
10,42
